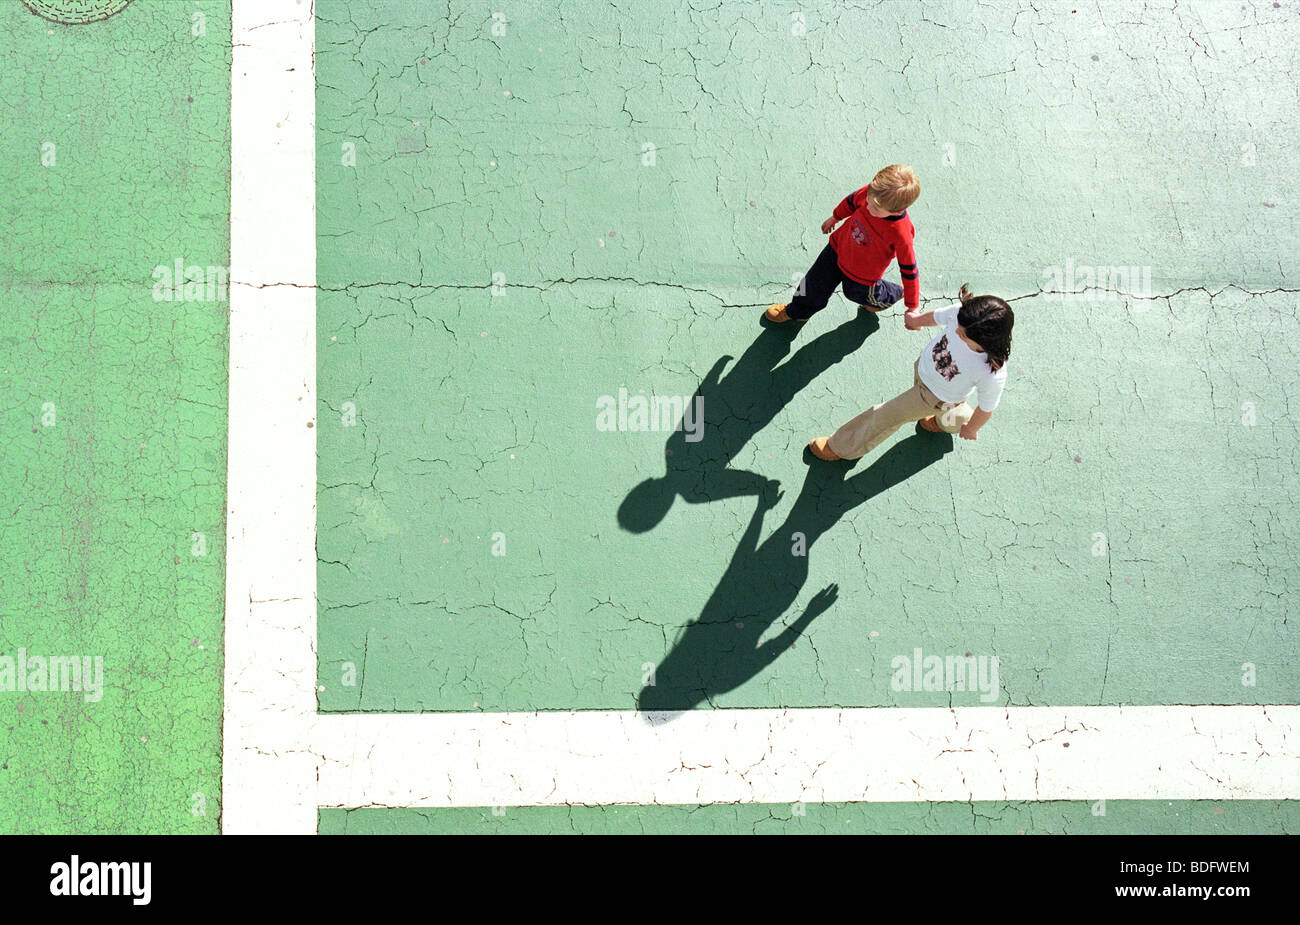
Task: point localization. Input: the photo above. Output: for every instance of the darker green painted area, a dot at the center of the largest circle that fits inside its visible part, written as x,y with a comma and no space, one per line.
593,197
1114,817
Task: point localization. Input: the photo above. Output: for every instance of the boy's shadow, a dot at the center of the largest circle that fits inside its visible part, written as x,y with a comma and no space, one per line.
736,407
721,650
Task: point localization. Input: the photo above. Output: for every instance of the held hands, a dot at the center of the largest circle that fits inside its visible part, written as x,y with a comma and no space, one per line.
828,225
912,320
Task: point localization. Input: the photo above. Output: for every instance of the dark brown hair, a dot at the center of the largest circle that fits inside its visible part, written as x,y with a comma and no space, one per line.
988,321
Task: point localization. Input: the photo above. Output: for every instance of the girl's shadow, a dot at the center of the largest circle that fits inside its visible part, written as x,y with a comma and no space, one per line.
721,650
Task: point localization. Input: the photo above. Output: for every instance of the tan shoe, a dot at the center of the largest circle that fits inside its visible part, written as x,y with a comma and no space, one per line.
821,448
931,424
776,313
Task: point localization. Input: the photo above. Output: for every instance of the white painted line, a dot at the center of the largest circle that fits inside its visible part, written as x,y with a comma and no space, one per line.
268,777
282,761
810,755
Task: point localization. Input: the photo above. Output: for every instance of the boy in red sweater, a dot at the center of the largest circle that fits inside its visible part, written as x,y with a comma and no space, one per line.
877,232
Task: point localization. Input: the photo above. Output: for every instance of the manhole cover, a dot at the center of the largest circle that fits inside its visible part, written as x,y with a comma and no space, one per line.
74,12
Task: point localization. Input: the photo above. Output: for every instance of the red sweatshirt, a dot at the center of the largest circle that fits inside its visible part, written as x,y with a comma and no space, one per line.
865,246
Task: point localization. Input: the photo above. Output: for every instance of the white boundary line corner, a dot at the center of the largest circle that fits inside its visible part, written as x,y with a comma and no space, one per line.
282,761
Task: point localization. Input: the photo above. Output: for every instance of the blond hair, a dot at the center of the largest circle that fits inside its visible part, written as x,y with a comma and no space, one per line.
895,187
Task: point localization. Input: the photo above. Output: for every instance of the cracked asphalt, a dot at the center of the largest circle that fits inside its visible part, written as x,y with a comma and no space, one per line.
593,197
1076,817
113,429
523,213
519,216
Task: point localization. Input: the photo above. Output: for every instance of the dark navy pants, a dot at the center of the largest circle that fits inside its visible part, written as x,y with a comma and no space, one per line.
819,283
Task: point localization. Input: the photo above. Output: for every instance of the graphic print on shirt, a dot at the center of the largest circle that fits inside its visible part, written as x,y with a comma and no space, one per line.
859,231
943,362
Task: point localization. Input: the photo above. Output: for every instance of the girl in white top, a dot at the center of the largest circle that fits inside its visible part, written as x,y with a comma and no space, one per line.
968,356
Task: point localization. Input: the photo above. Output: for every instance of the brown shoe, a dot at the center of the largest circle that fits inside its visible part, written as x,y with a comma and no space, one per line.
931,424
821,448
776,313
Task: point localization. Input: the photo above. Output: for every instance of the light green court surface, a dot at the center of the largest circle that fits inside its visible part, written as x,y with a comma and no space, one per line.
113,457
593,197
1153,817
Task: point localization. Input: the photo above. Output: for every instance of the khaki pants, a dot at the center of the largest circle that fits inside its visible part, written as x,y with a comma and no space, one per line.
862,434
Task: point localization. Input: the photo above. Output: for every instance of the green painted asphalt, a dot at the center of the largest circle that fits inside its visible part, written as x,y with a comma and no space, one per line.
116,162
1112,817
517,218
522,217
